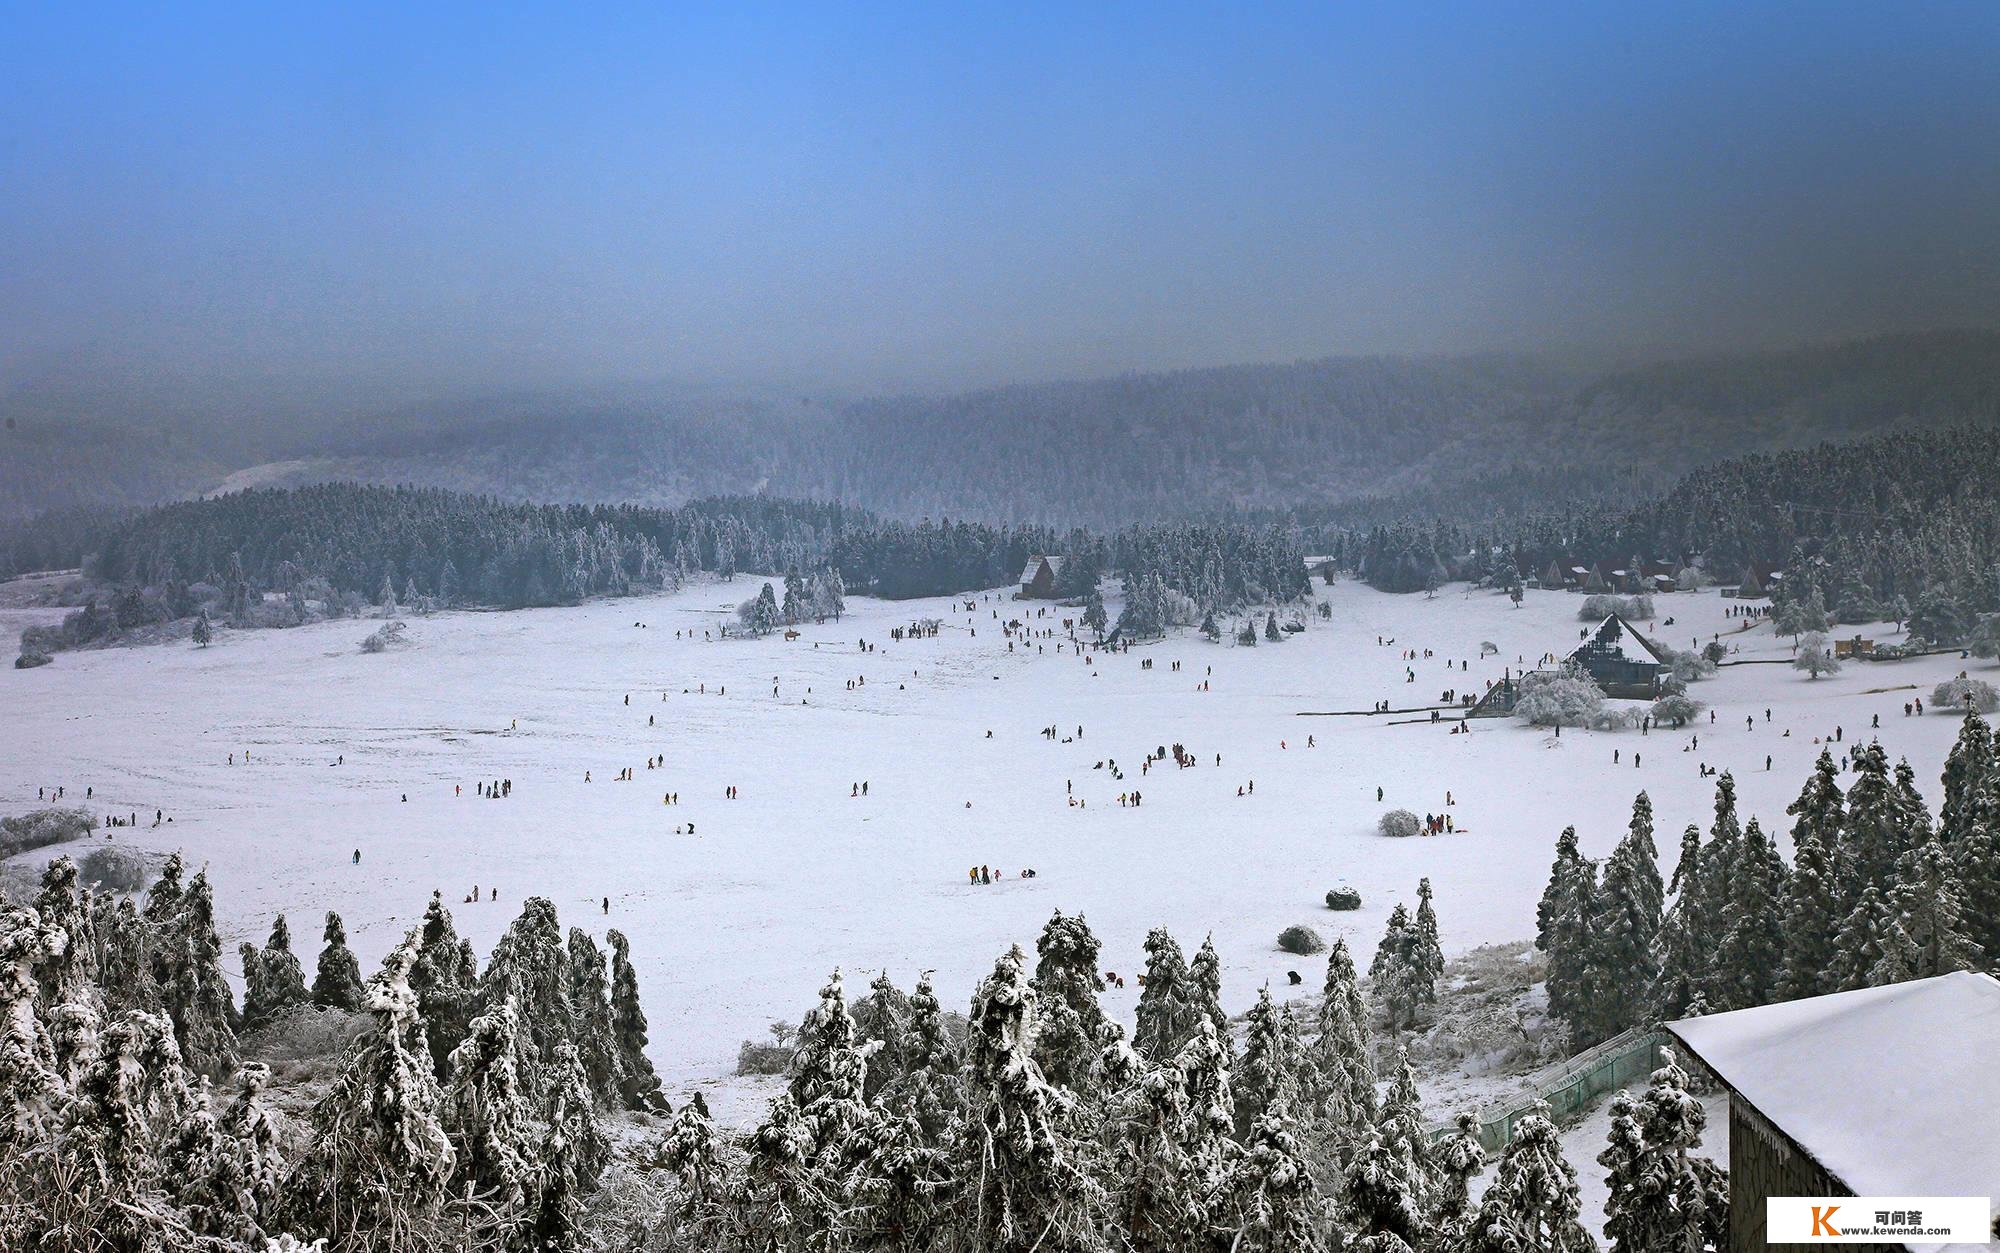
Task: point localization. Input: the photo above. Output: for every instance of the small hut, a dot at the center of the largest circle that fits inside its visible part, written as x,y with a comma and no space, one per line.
1038,577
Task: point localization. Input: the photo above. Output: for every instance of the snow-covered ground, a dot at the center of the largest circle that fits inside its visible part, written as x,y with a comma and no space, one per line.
737,924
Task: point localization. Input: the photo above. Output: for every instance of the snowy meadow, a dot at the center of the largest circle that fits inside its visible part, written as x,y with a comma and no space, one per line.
278,754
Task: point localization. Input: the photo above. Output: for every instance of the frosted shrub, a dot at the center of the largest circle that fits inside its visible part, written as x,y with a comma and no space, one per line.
1965,694
1676,711
1620,718
1601,606
1399,823
384,636
1565,697
302,1032
1301,939
42,827
31,658
115,868
1349,898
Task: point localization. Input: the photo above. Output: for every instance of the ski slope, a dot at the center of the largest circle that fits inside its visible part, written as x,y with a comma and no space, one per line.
738,924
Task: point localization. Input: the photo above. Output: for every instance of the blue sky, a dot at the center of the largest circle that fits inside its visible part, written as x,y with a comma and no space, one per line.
893,196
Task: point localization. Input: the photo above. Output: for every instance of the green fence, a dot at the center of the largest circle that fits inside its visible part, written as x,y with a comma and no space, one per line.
1569,1087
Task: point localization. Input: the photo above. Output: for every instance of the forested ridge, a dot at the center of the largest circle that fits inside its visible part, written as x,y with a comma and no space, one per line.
1369,436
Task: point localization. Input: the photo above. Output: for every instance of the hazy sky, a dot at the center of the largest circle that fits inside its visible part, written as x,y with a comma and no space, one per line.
923,195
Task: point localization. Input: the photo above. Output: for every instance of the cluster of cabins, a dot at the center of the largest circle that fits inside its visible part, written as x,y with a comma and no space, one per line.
1632,578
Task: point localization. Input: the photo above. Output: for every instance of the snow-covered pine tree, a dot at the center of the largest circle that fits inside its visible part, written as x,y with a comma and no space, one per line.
1565,930
1662,1196
1426,947
1751,953
1267,1074
254,1012
490,1119
1205,977
1927,932
445,979
1392,976
1533,1201
1067,985
1686,943
1037,1190
1342,1056
337,984
127,964
284,981
1381,1200
1405,1133
530,966
1966,768
1455,1160
132,1101
1814,910
692,1149
70,974
829,1075
639,1083
1630,902
1858,947
1875,837
1277,1208
196,994
1976,853
591,1026
1204,1064
379,1156
882,1017
228,1173
1161,1200
901,1187
783,1196
1168,1007
930,1089
571,1157
30,1087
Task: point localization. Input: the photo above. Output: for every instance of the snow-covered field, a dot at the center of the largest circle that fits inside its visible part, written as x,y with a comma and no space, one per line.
738,923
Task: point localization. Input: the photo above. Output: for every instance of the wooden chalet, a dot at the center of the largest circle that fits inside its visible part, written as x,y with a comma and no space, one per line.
1624,663
1887,1091
1038,577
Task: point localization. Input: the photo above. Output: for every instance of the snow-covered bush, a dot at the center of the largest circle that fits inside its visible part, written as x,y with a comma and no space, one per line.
305,1031
1347,898
40,828
30,658
388,635
1566,697
115,868
1677,710
1814,657
1601,606
769,1057
1301,940
1687,666
1616,718
1965,694
1399,823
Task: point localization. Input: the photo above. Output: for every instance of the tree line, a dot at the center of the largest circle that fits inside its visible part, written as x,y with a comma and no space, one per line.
1878,891
470,1108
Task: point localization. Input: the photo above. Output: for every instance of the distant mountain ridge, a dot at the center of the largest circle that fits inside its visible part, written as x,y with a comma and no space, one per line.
1492,432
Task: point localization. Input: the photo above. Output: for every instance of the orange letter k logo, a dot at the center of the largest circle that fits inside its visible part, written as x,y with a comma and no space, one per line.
1823,1220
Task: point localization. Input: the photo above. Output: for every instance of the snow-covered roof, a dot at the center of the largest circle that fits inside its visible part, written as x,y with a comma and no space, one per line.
1892,1089
1617,638
1034,566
